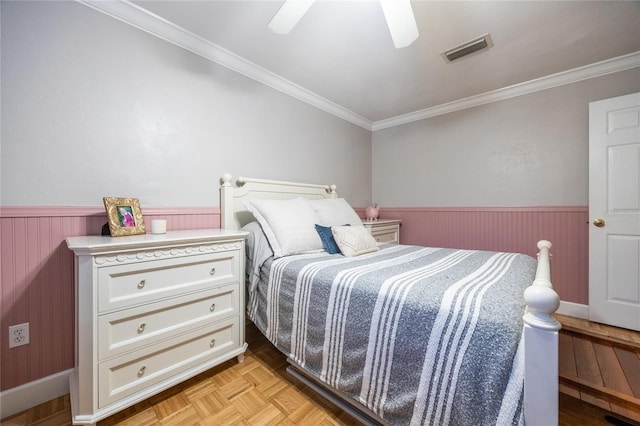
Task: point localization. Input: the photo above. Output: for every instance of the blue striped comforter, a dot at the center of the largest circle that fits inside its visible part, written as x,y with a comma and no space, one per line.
418,335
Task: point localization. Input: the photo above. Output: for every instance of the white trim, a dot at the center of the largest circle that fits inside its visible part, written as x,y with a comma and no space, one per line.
574,310
30,394
598,69
143,19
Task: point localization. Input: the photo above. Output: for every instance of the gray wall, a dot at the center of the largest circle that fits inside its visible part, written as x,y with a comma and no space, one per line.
93,107
532,150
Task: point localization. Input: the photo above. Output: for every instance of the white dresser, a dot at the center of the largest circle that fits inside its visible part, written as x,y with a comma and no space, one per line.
152,311
384,230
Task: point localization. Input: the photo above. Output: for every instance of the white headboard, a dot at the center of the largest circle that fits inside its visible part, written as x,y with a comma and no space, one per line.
235,214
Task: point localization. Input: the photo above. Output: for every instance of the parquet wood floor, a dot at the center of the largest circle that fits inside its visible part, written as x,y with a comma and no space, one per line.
256,392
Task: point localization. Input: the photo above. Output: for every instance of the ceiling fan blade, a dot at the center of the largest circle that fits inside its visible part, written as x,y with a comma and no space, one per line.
288,15
401,22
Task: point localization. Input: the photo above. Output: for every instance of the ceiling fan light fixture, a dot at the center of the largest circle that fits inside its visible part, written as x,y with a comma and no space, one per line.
398,14
401,22
483,42
288,15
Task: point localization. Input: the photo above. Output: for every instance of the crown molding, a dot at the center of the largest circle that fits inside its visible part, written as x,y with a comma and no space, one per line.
586,72
138,17
151,23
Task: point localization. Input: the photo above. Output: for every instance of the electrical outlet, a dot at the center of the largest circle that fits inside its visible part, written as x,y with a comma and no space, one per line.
18,335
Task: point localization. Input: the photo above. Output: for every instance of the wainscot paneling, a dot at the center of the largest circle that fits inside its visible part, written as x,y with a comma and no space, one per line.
36,268
36,280
515,229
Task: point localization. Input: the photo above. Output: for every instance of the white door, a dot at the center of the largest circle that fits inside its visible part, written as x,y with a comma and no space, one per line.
614,211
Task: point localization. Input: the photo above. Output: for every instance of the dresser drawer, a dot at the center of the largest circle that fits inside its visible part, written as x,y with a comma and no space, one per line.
386,234
125,375
123,331
122,286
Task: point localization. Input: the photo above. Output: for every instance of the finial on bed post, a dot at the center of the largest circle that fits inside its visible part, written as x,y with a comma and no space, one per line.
331,191
226,179
542,301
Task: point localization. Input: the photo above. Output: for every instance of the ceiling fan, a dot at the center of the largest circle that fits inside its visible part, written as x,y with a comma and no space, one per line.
398,13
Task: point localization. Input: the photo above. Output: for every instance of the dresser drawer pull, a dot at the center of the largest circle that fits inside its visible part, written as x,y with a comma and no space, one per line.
141,284
212,271
213,307
141,371
213,342
141,327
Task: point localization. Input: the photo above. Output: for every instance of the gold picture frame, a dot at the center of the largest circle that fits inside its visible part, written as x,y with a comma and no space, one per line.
124,216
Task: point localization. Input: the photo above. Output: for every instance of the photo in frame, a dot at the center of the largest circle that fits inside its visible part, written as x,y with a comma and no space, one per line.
124,216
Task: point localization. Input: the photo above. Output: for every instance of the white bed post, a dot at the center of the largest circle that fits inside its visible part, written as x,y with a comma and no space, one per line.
541,345
227,220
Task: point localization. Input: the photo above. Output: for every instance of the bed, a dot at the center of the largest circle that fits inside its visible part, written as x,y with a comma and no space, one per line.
396,334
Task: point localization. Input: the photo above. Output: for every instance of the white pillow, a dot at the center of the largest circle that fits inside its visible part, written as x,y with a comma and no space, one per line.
288,224
354,240
335,212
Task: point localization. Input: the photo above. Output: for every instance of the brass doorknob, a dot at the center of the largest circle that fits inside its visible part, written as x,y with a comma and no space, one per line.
599,223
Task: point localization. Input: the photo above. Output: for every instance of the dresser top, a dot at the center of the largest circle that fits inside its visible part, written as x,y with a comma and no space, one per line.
99,243
381,221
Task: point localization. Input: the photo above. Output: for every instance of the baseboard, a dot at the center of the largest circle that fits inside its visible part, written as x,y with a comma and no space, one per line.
574,310
30,394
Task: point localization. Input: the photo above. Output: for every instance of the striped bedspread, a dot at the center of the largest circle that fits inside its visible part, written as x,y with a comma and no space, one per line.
418,335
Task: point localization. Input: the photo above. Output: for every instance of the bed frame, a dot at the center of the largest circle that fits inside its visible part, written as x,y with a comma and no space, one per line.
540,327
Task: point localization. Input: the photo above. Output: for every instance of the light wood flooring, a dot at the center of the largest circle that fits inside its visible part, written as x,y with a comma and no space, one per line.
256,392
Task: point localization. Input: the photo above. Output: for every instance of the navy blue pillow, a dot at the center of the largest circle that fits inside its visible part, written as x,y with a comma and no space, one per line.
328,241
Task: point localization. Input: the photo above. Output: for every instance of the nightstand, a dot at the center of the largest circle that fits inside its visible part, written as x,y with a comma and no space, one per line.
384,230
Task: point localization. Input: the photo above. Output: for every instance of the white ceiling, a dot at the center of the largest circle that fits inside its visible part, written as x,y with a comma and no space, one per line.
342,51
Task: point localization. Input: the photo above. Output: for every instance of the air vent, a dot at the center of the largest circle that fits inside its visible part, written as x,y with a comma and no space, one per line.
479,43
